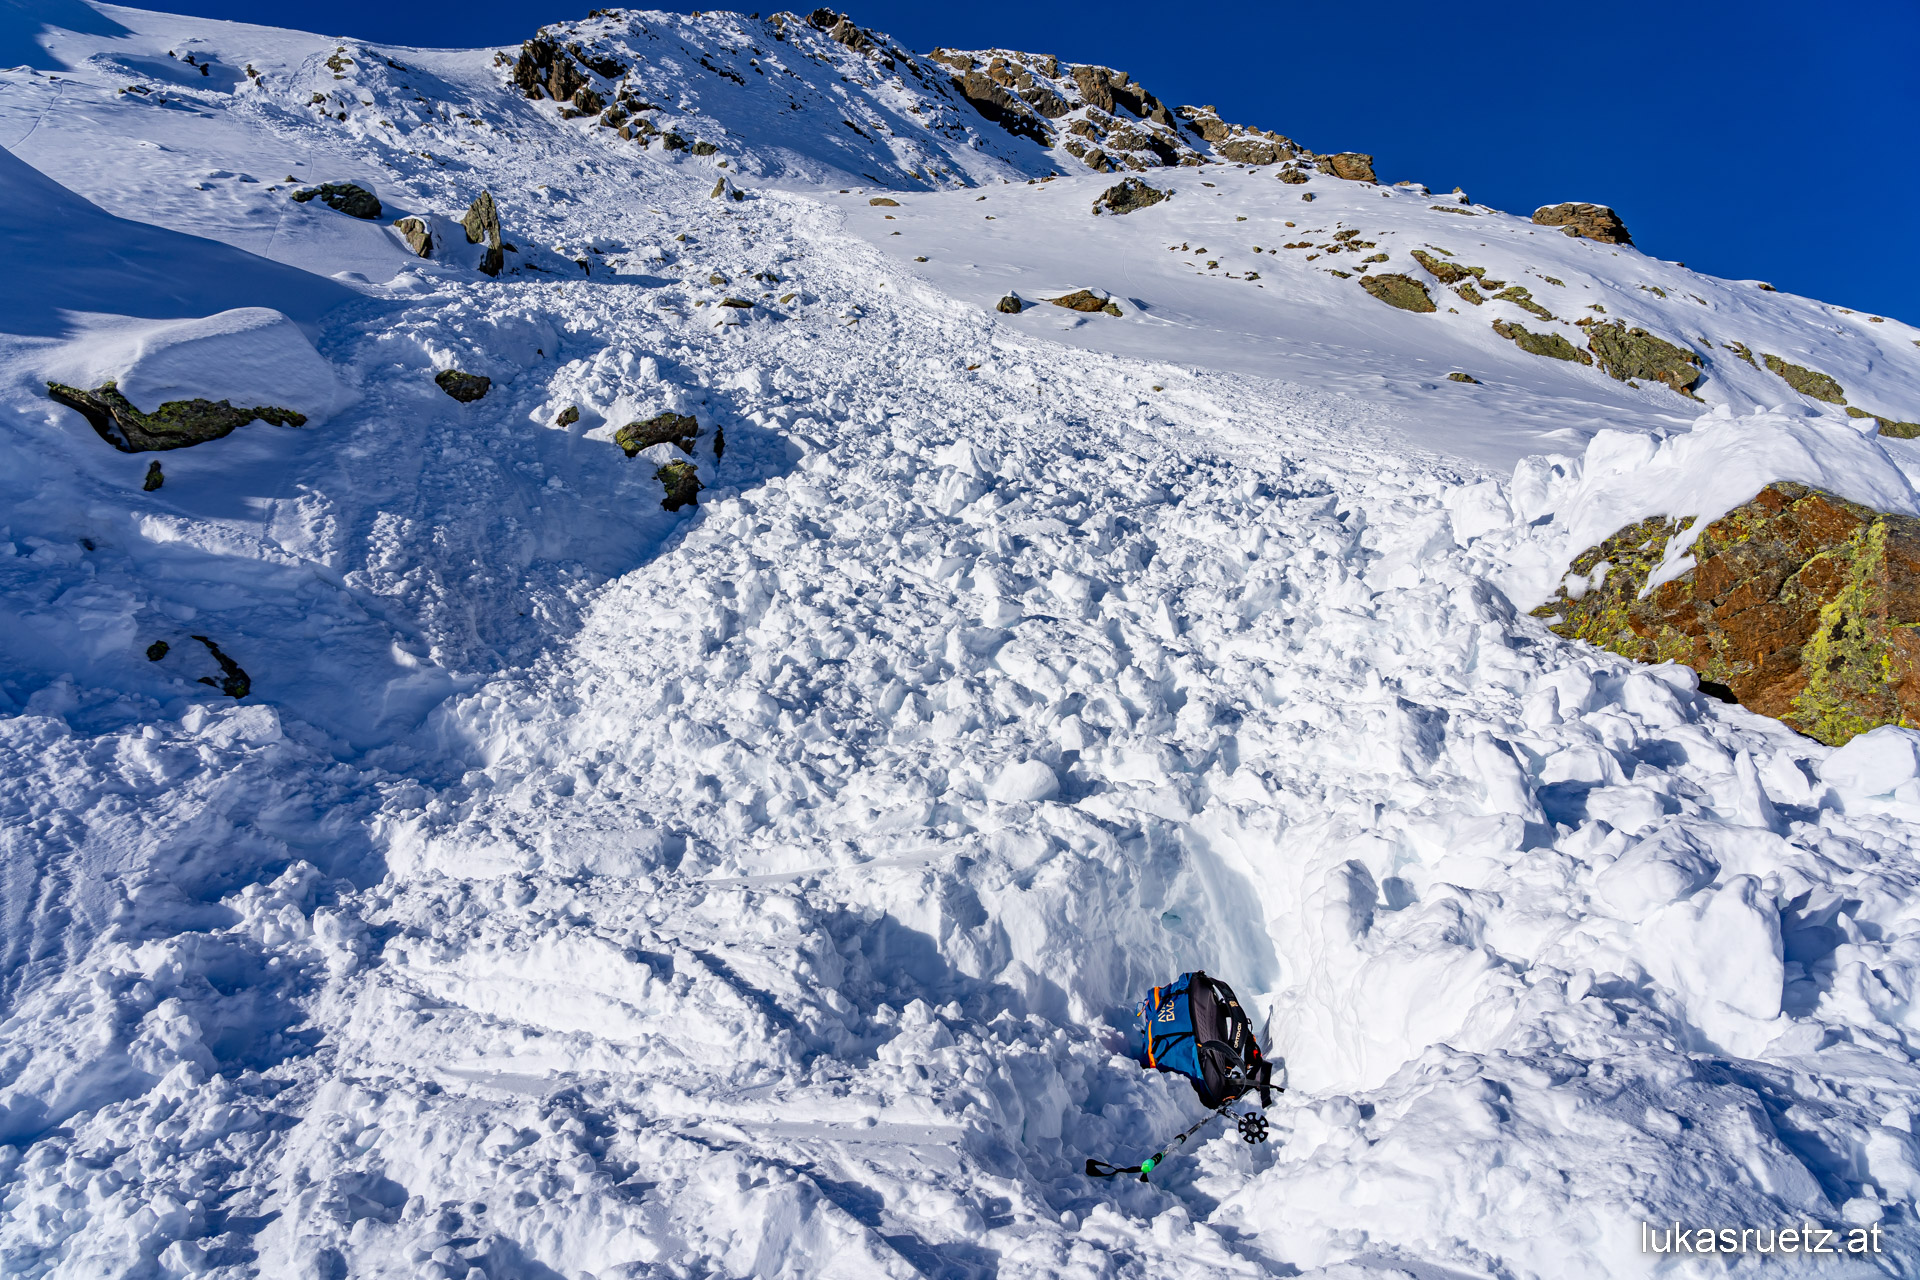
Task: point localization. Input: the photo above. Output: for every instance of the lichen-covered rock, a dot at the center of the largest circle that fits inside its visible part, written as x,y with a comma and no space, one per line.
175,424
1551,345
677,429
725,190
682,483
1293,177
1808,382
1399,291
1899,430
482,225
1127,196
1634,353
418,236
1593,221
568,416
1470,294
155,477
1522,297
1010,305
464,387
349,198
1463,377
1354,166
885,202
1801,605
1447,272
1086,300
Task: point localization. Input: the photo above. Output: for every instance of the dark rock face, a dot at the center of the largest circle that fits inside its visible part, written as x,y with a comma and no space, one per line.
1354,166
482,223
682,483
1010,305
1593,221
464,387
1399,291
233,681
417,235
1001,107
677,429
1808,382
1804,605
1551,345
1635,354
1087,300
1127,196
349,198
544,69
176,424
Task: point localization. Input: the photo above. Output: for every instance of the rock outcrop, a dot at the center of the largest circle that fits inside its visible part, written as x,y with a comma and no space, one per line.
464,387
1087,300
418,236
680,430
349,198
1593,221
482,224
544,69
1447,272
1801,605
1127,196
1399,291
1630,354
1354,166
1551,345
1808,382
175,424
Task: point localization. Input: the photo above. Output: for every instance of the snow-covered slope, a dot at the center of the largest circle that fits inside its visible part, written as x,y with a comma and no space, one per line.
762,889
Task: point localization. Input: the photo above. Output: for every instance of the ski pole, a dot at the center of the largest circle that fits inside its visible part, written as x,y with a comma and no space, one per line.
1101,1169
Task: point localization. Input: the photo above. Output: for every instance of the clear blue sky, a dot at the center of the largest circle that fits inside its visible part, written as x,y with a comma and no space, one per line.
1751,140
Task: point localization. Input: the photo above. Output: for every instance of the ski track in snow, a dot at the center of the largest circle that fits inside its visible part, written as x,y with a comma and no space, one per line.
593,891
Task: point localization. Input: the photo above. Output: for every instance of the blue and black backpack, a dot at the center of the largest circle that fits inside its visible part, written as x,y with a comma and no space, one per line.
1194,1026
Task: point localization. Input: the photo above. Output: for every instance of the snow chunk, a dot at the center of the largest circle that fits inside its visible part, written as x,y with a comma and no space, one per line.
247,356
1030,780
1873,764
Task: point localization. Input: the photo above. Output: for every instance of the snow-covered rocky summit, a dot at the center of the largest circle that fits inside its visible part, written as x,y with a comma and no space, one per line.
561,885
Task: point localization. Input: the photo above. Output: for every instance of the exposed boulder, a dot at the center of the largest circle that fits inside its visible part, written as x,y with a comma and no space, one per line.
682,482
1087,300
1551,345
175,424
1127,196
1522,297
349,198
725,190
1010,305
155,477
1354,166
1808,382
464,387
482,224
417,234
885,202
1593,221
1399,291
677,429
1634,353
1801,604
1463,377
1293,177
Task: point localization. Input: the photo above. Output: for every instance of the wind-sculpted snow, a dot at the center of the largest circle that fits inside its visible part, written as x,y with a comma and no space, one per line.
588,890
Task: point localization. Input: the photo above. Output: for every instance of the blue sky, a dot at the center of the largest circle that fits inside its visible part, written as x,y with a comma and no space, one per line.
1756,140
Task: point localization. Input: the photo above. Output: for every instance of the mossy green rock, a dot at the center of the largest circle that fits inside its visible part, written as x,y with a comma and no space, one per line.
677,429
1551,345
1808,382
1399,291
682,483
1801,605
176,424
1634,353
1520,296
348,197
464,387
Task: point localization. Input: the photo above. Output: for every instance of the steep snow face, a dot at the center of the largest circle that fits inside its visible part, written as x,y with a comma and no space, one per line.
585,889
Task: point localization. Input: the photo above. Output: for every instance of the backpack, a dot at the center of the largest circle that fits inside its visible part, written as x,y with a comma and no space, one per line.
1194,1026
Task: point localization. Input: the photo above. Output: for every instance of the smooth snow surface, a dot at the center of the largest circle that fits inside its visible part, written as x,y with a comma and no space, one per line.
588,890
